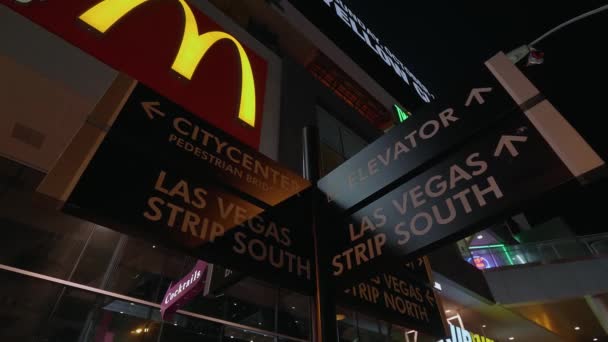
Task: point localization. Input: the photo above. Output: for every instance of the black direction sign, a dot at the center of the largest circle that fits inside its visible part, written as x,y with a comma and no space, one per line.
396,297
169,130
165,175
417,268
435,129
509,164
219,279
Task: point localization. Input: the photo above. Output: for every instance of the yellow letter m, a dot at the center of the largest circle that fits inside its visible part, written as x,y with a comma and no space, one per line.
192,49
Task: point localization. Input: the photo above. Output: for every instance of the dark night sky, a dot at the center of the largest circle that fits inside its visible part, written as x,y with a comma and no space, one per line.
440,41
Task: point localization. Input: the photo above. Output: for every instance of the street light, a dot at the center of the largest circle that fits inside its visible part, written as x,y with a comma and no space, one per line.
521,52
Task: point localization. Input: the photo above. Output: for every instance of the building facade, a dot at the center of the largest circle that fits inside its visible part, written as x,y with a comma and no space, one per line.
64,278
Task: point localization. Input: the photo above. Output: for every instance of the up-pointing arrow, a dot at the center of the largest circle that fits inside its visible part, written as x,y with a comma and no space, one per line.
476,94
506,141
152,110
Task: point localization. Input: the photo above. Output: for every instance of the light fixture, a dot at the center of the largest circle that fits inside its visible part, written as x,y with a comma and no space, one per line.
231,336
234,303
175,324
121,312
595,338
296,321
153,246
479,237
448,311
511,338
437,286
340,317
483,326
259,323
577,328
146,330
293,308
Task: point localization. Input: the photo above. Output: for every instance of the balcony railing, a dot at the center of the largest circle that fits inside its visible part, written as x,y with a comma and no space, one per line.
499,255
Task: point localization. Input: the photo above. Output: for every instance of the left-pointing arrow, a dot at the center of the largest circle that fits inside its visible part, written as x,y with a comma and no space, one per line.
506,141
152,110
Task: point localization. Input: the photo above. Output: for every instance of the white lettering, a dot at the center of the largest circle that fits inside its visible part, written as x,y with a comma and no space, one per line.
360,29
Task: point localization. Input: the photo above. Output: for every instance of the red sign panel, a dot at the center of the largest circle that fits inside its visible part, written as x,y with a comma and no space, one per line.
144,44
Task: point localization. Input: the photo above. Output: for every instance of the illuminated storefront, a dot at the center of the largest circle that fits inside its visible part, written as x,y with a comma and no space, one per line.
208,70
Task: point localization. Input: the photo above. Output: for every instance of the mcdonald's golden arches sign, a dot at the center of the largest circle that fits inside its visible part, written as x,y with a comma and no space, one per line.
172,47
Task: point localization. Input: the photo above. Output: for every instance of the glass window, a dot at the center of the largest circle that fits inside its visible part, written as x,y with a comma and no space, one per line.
58,314
330,159
352,143
83,316
42,239
337,142
94,266
369,329
329,130
35,236
294,314
186,328
347,325
251,302
143,270
24,306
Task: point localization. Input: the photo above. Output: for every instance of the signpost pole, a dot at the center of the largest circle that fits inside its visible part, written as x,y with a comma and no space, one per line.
325,328
566,142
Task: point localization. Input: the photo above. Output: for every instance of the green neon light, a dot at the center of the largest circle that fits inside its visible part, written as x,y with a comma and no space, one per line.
500,245
402,114
508,255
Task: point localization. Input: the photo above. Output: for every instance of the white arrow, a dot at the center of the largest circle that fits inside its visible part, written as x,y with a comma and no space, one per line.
506,141
150,108
429,297
476,94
